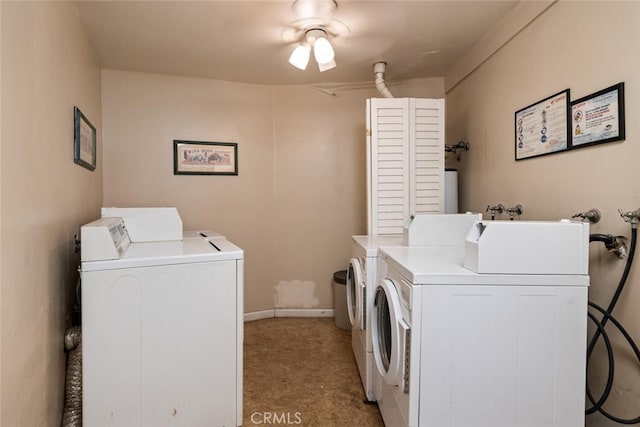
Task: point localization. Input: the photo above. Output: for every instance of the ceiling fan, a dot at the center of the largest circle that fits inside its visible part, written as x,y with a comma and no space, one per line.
312,29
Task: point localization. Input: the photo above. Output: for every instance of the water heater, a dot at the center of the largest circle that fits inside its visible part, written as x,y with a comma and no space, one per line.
450,191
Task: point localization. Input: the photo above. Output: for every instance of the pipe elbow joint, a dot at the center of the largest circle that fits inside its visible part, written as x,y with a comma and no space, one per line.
382,88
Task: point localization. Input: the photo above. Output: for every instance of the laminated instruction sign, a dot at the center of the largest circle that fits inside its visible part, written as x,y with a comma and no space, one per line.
543,128
598,117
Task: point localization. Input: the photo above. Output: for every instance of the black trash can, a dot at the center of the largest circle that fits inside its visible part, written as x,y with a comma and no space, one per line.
340,314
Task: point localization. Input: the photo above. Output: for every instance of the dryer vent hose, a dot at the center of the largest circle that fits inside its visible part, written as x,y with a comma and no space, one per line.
72,413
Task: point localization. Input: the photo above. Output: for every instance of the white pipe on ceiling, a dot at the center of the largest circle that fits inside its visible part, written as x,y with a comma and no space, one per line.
378,69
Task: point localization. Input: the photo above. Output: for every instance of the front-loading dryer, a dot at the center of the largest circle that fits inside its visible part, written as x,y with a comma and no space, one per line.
449,230
395,318
453,347
361,281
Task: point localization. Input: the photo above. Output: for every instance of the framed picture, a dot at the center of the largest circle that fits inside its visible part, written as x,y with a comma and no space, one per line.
205,158
598,117
84,140
543,128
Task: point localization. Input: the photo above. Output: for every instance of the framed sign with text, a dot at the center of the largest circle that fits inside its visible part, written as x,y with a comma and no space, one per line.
598,117
543,128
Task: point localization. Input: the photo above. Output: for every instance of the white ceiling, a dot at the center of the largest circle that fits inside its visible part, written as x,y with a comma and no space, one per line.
250,41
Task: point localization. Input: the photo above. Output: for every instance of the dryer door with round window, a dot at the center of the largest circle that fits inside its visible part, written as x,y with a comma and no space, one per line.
388,332
355,291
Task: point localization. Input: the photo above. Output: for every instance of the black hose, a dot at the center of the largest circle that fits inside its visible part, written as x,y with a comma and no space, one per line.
607,239
606,316
623,331
598,405
620,287
610,373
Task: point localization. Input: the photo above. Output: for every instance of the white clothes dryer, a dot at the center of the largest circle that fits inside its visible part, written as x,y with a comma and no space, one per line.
458,348
361,281
362,276
162,326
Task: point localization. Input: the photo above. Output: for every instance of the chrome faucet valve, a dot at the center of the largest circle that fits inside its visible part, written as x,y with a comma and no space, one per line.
497,209
516,210
631,217
461,145
592,215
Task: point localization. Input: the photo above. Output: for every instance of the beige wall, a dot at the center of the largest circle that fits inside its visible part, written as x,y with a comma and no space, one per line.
320,184
144,113
584,46
301,189
47,68
320,190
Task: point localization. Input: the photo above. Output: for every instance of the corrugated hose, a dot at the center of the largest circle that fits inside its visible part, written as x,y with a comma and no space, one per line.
72,413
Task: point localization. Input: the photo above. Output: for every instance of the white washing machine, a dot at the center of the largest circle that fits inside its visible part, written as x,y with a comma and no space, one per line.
162,325
424,230
455,347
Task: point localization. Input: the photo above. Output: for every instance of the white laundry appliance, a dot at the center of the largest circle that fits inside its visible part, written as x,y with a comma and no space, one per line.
162,326
361,277
424,230
139,220
456,347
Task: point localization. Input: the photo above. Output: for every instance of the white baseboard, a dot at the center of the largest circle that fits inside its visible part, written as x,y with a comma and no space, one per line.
258,315
304,312
288,312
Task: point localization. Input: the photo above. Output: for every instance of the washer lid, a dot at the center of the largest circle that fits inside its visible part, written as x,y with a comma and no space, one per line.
186,251
197,234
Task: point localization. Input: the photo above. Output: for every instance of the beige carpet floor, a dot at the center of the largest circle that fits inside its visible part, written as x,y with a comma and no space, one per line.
301,371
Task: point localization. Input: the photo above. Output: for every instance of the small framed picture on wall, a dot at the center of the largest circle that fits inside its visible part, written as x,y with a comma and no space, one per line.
84,140
205,158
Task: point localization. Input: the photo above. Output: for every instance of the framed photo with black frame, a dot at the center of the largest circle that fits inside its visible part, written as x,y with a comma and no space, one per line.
543,127
598,118
84,140
205,158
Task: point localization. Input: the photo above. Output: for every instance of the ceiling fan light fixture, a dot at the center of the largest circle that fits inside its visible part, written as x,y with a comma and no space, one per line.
323,51
316,39
327,66
300,56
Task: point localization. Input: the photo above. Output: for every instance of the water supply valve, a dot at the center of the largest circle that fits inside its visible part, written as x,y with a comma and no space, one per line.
497,209
516,210
630,217
461,145
455,147
592,215
618,247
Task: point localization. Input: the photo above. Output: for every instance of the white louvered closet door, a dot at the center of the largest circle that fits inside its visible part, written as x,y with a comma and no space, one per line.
426,156
405,161
389,174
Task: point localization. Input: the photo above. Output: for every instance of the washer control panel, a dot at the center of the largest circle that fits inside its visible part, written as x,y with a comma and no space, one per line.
104,239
